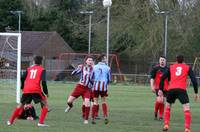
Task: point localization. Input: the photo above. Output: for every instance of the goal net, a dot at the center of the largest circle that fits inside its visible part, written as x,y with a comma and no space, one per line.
10,66
68,61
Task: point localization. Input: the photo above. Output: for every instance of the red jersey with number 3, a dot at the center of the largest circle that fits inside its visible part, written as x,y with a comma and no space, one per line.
33,78
178,74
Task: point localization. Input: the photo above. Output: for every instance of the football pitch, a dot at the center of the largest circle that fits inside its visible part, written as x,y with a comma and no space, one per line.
130,110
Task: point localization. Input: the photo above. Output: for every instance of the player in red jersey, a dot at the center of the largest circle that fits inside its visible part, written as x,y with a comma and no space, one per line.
178,73
156,73
82,88
32,90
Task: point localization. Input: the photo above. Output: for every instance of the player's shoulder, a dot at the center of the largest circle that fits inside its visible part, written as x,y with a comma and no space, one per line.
155,67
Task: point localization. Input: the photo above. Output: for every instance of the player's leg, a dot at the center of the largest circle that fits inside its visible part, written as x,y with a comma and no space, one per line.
171,97
44,108
16,112
160,99
83,109
167,117
94,108
184,99
86,96
104,107
25,99
70,101
156,107
187,116
78,90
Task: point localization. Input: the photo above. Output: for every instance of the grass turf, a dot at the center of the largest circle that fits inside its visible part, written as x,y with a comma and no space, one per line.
130,110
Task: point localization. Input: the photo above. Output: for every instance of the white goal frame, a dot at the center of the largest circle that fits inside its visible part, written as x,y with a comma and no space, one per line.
18,62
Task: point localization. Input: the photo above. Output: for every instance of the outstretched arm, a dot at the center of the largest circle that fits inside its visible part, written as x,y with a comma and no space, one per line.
77,70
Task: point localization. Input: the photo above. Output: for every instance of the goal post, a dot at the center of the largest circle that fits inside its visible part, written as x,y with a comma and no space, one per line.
8,47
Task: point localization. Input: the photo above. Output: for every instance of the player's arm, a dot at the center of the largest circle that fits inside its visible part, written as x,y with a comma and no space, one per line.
23,78
152,79
77,70
44,83
165,75
109,76
194,82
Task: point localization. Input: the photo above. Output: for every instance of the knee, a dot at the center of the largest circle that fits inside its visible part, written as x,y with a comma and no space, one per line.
87,102
186,107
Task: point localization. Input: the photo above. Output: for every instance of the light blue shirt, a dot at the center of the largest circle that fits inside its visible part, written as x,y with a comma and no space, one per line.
101,76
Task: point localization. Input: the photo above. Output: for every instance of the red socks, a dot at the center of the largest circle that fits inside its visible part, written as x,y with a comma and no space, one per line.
156,107
105,109
94,111
97,111
187,116
161,111
83,111
167,115
15,114
87,112
43,113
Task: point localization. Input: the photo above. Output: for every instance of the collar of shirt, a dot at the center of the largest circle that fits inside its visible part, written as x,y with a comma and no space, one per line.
102,63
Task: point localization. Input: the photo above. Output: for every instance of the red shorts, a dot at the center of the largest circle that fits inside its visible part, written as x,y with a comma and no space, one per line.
81,90
101,93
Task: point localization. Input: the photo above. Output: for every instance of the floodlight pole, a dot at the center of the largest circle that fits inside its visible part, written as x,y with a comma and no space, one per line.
90,28
165,14
107,4
19,18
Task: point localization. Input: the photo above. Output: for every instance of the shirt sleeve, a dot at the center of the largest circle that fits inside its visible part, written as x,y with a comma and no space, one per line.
109,76
194,80
44,83
76,71
153,73
23,78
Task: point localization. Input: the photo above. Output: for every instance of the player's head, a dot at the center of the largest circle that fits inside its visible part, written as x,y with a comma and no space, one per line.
102,58
162,61
89,60
38,60
179,58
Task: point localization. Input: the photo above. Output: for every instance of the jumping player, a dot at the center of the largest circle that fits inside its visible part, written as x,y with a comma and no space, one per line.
82,88
102,77
156,73
178,73
32,90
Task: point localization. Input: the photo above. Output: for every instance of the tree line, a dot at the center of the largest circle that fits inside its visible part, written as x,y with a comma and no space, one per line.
136,30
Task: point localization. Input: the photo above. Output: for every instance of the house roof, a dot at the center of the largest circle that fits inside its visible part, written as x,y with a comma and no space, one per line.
32,40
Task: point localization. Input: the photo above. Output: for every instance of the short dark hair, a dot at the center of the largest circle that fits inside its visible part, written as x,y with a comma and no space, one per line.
38,60
89,56
162,56
179,58
101,57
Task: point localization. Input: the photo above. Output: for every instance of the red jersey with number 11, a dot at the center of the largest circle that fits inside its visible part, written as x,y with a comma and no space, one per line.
178,74
33,78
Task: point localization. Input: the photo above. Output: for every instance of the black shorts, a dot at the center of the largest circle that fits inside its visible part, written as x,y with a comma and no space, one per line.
164,93
27,98
180,94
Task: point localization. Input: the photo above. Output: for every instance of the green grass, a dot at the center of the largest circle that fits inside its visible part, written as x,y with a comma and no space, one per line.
130,109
